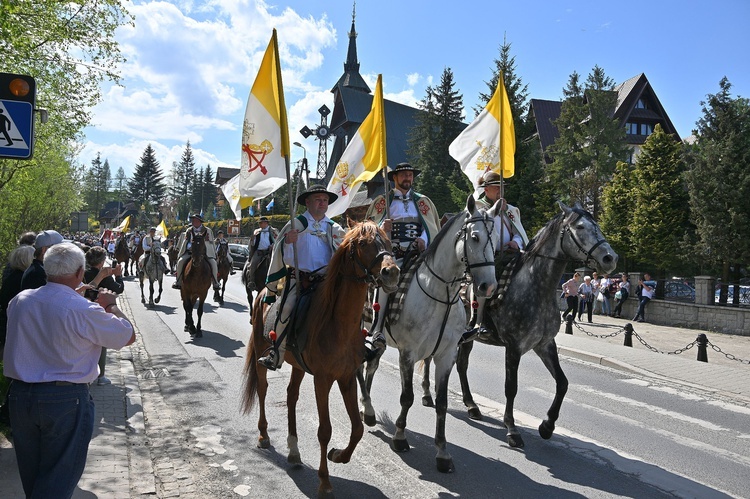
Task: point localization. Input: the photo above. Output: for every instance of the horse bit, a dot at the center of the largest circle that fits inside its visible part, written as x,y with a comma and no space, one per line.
369,276
579,246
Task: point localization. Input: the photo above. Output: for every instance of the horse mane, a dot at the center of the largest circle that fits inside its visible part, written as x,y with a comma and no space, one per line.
330,290
445,229
551,229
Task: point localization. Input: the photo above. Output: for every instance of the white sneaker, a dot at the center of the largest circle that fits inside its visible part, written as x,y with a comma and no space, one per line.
103,380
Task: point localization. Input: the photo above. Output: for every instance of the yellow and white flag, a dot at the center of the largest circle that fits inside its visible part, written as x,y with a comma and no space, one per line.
265,133
231,191
123,227
489,143
363,157
161,230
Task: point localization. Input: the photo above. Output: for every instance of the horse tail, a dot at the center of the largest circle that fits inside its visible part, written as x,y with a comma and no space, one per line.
250,384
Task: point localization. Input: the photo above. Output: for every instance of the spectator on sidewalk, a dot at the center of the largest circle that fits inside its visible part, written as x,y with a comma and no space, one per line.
648,288
570,293
95,259
586,297
35,276
623,287
54,341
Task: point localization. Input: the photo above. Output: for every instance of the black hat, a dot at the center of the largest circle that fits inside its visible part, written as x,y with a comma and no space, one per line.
263,219
490,178
220,232
317,189
152,228
197,215
403,167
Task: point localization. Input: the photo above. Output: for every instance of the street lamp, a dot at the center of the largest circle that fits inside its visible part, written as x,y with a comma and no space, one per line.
304,163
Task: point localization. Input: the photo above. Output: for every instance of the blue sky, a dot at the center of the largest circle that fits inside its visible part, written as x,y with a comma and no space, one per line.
191,63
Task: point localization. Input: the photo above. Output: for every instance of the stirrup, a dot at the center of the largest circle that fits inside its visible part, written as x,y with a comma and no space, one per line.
176,285
269,361
472,334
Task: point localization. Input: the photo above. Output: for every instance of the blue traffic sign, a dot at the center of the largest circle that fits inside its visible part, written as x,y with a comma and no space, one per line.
16,129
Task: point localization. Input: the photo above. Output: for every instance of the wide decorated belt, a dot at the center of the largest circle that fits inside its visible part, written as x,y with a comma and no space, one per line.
405,231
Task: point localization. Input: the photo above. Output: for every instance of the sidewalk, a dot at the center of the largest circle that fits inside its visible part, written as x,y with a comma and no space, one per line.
120,463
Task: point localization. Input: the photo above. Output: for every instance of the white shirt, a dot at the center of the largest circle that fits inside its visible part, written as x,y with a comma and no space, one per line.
265,239
55,334
313,246
400,210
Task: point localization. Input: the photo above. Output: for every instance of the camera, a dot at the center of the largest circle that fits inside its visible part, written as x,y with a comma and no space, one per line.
91,294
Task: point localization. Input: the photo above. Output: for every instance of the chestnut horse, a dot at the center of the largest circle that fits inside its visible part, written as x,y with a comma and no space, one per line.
137,252
196,280
258,281
122,253
335,348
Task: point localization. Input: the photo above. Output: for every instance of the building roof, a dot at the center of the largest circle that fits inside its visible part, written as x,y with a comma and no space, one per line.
545,112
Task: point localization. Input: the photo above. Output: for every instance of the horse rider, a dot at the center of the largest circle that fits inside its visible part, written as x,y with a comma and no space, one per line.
186,241
317,237
263,240
413,223
134,242
512,239
220,241
148,242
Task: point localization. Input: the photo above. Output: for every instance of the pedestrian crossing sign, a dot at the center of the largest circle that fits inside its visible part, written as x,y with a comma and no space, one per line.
16,129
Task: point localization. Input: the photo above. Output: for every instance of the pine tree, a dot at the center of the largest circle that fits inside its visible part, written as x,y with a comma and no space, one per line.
659,218
147,186
441,178
96,182
183,174
719,180
617,213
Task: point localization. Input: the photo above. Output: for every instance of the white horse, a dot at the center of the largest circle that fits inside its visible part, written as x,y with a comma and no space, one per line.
432,317
154,272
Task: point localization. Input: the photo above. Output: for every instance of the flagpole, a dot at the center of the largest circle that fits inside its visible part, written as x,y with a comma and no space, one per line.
292,209
386,188
500,137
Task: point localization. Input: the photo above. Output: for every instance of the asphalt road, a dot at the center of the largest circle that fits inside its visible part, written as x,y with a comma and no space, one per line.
619,434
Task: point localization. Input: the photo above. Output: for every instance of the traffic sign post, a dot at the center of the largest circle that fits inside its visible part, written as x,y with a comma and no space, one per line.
17,99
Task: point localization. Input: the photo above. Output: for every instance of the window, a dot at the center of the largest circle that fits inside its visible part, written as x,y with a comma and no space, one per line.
646,129
631,128
641,104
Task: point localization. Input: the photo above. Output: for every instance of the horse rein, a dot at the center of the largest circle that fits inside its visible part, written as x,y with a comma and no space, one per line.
369,276
579,247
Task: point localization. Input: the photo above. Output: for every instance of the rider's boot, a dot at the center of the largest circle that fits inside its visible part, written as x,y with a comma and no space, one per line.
178,281
475,328
275,356
377,343
215,274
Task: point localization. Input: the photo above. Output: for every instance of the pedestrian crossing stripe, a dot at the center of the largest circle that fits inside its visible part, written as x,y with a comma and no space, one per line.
16,120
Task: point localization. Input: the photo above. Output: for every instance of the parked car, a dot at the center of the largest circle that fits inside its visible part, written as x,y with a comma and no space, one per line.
744,295
678,290
239,253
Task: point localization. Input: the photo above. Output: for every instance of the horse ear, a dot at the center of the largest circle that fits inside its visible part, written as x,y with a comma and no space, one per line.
471,205
495,210
565,208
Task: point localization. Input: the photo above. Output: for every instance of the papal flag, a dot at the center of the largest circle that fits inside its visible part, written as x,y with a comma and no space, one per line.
265,134
231,191
489,143
161,229
123,227
363,157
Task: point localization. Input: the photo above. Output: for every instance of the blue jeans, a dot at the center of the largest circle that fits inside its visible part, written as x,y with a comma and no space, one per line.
642,308
52,427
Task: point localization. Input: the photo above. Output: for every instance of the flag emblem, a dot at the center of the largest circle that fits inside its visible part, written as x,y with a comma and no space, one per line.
342,177
489,157
256,154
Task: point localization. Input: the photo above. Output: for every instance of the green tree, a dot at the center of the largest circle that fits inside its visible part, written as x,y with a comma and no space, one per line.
719,180
147,186
521,190
617,213
441,179
96,183
183,174
590,141
659,219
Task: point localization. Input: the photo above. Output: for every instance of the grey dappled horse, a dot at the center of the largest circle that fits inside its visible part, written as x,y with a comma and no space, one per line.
433,318
528,318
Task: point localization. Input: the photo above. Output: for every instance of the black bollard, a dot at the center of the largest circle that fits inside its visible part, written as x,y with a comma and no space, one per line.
628,335
702,340
569,325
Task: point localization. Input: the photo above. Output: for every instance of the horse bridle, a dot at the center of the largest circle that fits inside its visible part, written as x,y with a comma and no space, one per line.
579,246
369,276
463,235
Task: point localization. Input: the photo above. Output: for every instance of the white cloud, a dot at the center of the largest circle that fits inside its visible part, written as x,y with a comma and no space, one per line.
413,78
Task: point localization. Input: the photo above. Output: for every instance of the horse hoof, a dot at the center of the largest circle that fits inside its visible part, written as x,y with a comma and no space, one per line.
427,401
186,329
264,443
157,300
334,455
368,419
445,465
198,333
475,413
295,459
515,441
400,445
546,429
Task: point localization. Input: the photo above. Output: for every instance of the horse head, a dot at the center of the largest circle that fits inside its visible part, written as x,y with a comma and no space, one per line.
475,246
371,252
197,249
581,239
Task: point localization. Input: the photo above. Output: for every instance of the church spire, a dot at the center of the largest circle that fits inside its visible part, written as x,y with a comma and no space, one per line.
351,77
